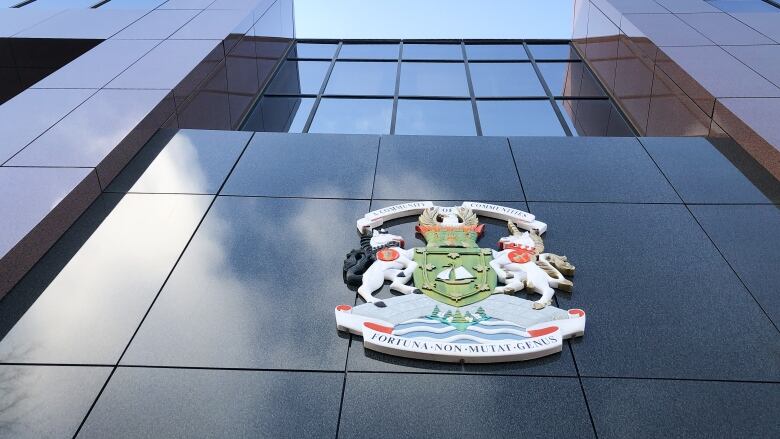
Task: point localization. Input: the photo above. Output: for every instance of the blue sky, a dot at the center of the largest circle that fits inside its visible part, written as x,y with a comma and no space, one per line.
433,19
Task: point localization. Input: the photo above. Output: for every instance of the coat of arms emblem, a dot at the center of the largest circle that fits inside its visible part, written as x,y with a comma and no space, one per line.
457,299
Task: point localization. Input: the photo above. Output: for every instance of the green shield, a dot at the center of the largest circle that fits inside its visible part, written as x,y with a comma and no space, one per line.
454,276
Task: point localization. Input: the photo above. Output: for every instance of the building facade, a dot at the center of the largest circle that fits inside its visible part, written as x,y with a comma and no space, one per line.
180,181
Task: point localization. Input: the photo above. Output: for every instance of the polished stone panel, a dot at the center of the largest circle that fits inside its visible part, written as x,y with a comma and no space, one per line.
432,405
667,30
91,134
156,25
182,161
209,107
753,123
186,4
634,75
212,403
762,22
519,118
751,247
15,20
306,165
662,301
659,408
47,401
435,117
84,23
236,298
687,6
211,25
465,167
589,170
165,66
97,67
594,117
601,45
724,29
29,114
91,300
39,204
132,4
765,60
672,112
570,79
700,173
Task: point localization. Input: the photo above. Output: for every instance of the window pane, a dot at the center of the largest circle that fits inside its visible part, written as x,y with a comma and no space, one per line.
353,116
279,114
588,117
435,117
299,77
369,51
505,79
518,118
496,51
433,51
434,79
362,78
569,79
552,51
312,50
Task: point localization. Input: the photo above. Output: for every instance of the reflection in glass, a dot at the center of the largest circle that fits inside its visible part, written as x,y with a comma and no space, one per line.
299,77
495,51
519,118
362,78
433,79
569,79
435,117
279,114
369,51
313,50
505,79
552,51
353,116
433,51
594,117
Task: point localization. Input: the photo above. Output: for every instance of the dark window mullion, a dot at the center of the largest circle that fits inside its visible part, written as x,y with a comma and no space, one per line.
471,90
550,96
322,90
397,87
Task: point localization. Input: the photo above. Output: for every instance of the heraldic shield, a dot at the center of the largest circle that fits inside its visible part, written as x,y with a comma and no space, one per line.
458,301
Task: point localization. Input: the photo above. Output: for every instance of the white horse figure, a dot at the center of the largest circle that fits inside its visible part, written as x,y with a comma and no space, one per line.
392,262
521,264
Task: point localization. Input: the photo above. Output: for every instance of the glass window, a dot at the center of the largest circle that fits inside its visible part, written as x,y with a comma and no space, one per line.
552,51
435,117
495,51
362,78
433,51
279,114
594,117
571,79
299,77
434,79
519,118
369,51
505,79
312,50
353,116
